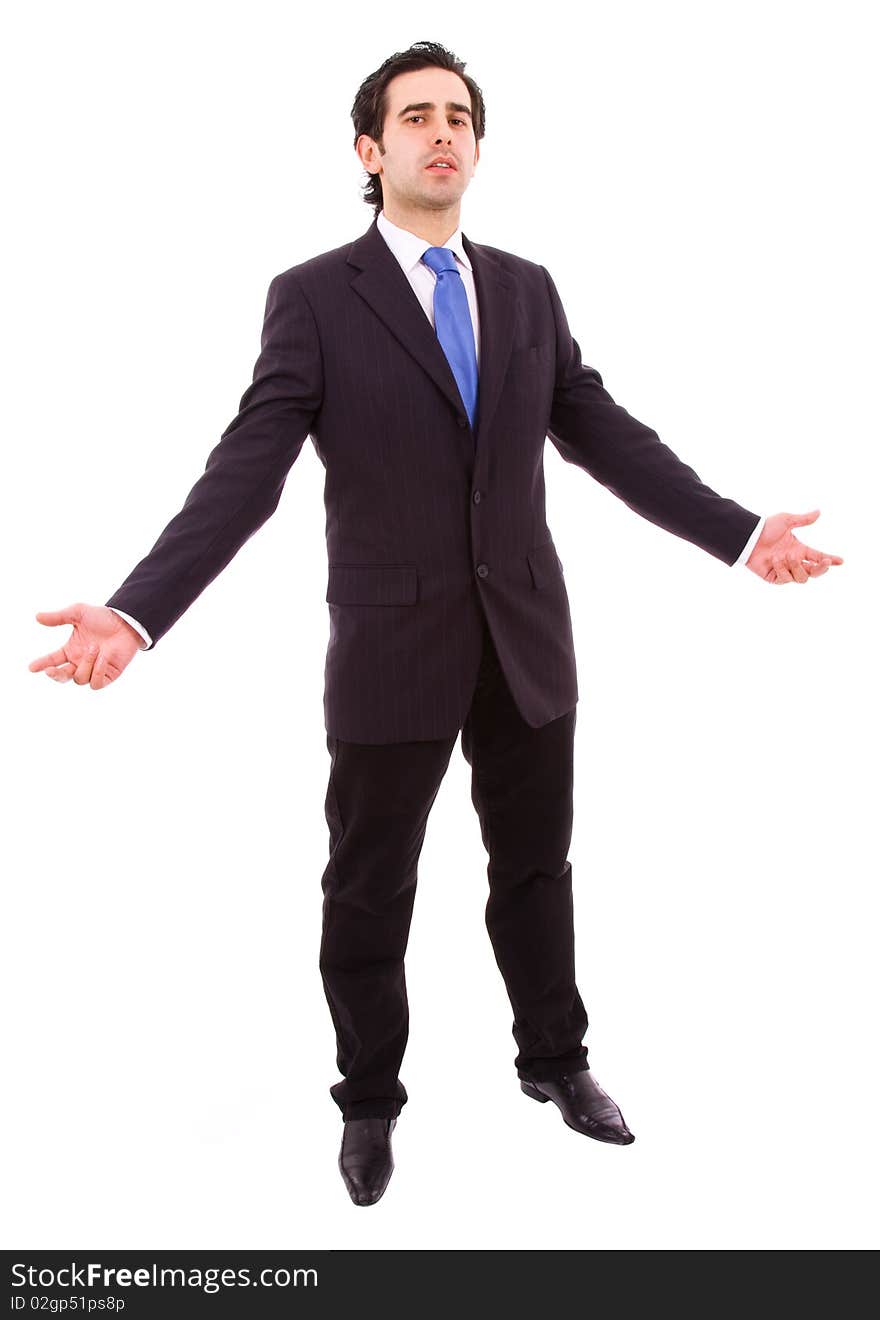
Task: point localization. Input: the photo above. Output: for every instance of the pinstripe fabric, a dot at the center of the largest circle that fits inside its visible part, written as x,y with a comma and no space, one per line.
429,527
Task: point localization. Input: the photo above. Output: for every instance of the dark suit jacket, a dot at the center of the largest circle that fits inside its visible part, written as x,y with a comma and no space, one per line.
429,526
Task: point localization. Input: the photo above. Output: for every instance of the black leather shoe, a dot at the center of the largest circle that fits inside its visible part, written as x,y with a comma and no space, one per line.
584,1105
365,1159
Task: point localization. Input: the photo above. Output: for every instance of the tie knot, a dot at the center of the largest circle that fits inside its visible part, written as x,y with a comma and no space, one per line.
439,259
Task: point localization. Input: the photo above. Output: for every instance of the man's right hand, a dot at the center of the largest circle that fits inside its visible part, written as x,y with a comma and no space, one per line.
97,651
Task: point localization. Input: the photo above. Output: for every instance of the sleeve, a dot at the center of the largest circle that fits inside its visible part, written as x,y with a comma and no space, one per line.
245,472
751,542
592,431
138,627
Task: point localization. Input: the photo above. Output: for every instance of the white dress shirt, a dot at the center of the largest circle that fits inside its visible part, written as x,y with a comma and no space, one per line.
408,248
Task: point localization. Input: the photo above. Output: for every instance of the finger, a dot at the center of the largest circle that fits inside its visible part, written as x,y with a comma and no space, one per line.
53,658
816,570
801,519
807,552
84,668
782,574
100,677
62,673
52,618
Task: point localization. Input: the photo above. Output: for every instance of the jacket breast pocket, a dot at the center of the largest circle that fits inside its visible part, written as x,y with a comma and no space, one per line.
372,584
533,354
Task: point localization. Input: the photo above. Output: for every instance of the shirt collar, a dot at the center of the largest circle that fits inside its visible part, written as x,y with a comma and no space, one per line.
408,248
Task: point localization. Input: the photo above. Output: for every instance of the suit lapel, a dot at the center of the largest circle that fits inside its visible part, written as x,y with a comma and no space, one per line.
496,301
382,284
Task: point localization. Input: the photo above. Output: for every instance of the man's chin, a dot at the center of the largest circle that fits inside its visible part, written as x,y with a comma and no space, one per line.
440,199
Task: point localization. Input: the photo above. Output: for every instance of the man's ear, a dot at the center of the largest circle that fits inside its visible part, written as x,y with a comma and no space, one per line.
368,151
476,154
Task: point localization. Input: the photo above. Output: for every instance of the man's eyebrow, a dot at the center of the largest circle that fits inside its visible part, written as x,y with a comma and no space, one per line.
429,105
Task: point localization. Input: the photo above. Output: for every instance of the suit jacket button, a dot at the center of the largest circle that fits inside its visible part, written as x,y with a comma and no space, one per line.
482,570
477,496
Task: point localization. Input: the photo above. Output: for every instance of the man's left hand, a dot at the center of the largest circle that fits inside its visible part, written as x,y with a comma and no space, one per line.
779,556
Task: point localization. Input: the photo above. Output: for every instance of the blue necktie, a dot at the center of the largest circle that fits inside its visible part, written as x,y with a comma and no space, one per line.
452,321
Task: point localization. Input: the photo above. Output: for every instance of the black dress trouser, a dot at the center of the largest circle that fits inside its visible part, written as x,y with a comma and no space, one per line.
377,805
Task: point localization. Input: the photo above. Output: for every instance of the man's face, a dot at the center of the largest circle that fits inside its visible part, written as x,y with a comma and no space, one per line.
427,115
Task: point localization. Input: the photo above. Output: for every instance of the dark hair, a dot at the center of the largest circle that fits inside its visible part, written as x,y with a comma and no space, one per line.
370,104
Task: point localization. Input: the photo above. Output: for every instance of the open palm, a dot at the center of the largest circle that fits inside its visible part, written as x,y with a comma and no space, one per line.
779,556
97,651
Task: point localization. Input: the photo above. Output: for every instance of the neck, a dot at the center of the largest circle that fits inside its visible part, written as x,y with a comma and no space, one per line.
435,227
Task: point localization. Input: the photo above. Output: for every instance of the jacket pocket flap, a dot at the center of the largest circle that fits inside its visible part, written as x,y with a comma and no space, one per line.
544,563
372,584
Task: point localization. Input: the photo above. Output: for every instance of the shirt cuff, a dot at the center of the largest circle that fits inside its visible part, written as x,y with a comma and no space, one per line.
750,543
138,627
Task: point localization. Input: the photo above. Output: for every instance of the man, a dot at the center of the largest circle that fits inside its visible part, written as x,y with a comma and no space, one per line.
428,371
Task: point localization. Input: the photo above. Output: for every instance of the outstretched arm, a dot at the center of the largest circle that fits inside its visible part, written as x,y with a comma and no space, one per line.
591,430
239,489
244,474
629,459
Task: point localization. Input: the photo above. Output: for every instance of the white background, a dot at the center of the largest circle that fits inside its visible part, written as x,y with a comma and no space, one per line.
698,179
